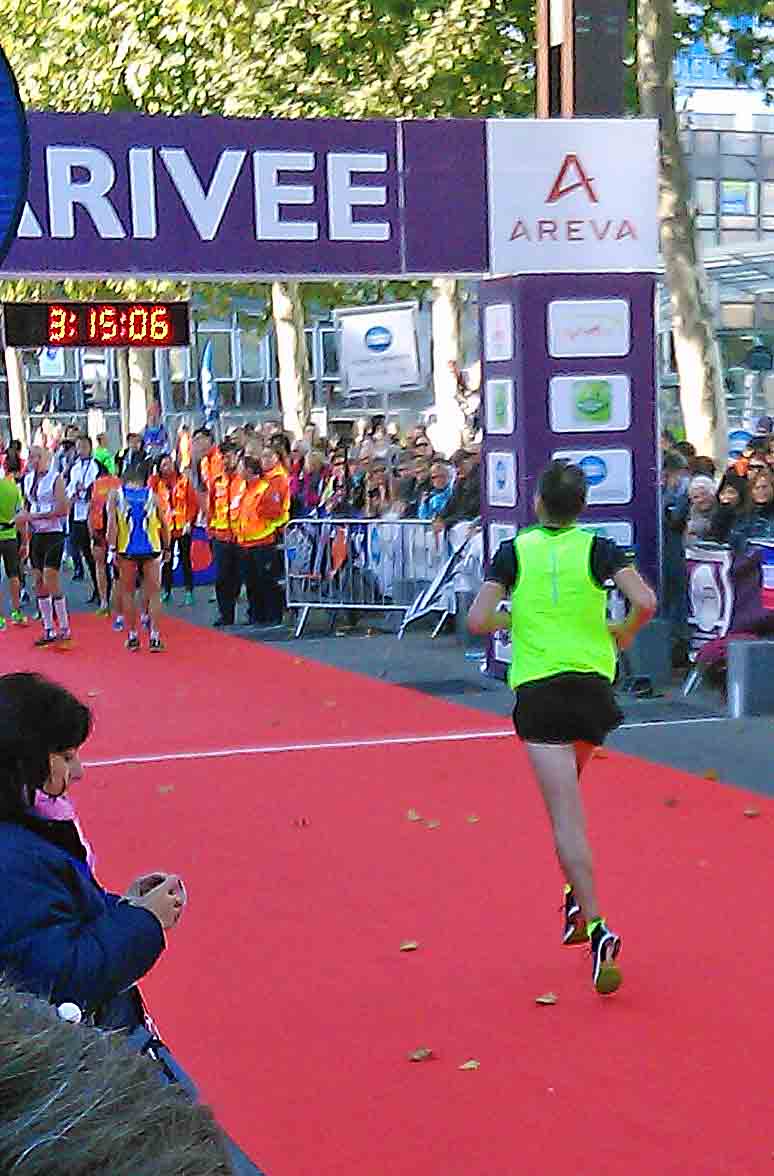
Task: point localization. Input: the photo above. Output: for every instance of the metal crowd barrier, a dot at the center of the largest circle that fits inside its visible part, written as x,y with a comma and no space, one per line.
362,565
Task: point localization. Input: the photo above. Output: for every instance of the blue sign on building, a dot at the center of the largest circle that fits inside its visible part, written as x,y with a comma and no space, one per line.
14,156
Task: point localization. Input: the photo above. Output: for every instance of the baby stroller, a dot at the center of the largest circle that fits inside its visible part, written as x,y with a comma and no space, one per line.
725,603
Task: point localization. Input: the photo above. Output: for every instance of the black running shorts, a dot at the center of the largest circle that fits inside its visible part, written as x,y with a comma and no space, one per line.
9,557
47,549
567,708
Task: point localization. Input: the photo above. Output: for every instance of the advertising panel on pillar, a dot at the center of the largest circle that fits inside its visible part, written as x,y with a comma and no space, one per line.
569,335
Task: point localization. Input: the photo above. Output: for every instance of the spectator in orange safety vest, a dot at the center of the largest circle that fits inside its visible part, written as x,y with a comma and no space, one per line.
179,505
263,509
225,496
97,523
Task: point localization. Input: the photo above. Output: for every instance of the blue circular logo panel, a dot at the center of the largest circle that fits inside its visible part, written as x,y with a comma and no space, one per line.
595,469
378,338
14,156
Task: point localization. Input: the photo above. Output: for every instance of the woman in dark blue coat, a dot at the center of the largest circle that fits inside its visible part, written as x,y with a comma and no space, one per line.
62,936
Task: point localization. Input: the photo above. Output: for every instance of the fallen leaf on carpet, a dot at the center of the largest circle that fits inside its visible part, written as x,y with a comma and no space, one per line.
473,819
752,812
711,775
301,822
471,1065
420,1055
671,802
548,998
434,824
409,945
92,693
597,754
166,788
413,815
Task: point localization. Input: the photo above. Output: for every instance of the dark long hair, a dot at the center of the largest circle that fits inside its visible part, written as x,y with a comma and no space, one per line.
37,718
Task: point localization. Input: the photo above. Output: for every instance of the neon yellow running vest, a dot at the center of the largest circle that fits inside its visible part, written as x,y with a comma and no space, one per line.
558,612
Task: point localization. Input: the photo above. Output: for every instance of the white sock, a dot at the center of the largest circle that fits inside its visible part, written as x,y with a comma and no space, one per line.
60,608
46,613
132,634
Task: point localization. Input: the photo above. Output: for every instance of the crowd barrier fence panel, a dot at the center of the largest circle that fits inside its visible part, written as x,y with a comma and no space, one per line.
362,565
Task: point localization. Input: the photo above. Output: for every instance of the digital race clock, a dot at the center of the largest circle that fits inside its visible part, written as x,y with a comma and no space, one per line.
96,324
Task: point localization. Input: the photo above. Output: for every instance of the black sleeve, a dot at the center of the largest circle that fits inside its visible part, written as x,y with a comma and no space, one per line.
607,558
503,568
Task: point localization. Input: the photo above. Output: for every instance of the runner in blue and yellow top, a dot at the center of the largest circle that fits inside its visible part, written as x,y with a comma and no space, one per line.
137,531
564,662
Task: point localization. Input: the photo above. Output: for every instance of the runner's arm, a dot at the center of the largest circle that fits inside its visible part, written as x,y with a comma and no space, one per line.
111,531
485,615
643,600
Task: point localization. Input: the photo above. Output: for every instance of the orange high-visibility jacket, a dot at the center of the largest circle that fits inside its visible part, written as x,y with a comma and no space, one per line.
278,477
223,506
98,501
178,502
261,506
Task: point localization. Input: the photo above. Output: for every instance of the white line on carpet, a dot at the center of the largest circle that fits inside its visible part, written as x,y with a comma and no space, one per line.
347,744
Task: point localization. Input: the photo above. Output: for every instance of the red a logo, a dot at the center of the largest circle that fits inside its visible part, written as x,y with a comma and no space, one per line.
572,169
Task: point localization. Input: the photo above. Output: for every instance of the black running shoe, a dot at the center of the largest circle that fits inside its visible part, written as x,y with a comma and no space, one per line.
133,643
156,645
46,638
605,946
574,923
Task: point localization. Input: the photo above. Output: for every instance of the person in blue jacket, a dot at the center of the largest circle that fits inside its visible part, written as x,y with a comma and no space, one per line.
63,937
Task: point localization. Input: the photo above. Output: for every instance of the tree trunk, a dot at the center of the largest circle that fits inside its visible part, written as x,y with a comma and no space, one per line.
18,405
295,388
122,367
140,388
702,391
447,435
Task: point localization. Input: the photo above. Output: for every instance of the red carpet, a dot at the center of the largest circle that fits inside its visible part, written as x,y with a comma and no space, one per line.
284,989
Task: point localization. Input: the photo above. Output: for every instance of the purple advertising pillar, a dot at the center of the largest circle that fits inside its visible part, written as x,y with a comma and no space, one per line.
568,370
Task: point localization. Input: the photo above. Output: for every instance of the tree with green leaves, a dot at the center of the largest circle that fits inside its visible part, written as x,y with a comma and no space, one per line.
324,58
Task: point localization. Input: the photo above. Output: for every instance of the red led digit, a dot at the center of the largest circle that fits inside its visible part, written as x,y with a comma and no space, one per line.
160,328
108,324
138,325
57,324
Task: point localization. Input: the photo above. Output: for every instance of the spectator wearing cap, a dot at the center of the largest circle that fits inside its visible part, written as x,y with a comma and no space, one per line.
465,500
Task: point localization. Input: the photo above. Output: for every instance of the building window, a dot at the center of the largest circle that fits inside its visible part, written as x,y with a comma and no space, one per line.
738,198
706,196
736,143
734,315
767,198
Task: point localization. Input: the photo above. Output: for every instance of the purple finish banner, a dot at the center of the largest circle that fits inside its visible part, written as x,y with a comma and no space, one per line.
220,198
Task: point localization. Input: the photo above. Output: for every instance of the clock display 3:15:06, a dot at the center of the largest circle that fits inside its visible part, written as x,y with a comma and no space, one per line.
138,325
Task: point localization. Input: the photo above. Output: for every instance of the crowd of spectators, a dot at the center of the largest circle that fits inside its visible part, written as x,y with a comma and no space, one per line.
700,503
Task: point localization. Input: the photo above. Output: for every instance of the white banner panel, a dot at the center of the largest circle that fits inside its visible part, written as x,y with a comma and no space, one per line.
379,348
570,195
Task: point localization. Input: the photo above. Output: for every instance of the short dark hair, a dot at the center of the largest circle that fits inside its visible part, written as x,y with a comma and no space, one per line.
137,471
37,718
562,488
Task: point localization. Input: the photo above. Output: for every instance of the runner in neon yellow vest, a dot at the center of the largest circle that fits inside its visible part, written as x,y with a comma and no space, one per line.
563,666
